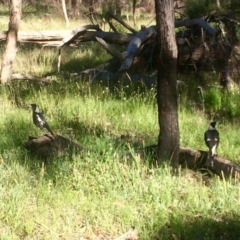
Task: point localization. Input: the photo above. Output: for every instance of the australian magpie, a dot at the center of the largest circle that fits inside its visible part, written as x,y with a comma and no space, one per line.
211,137
39,119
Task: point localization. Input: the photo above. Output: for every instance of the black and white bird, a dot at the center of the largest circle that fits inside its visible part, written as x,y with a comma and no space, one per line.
38,119
211,137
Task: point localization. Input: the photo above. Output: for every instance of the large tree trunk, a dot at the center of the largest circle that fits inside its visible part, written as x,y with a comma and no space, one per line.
11,43
168,143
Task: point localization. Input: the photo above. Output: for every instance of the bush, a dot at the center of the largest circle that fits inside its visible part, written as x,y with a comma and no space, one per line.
222,103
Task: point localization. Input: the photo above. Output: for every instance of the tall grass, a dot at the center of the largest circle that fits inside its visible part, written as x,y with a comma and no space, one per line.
101,194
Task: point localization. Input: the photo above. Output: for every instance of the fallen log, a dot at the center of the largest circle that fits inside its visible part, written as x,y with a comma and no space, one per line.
48,145
198,160
54,38
141,51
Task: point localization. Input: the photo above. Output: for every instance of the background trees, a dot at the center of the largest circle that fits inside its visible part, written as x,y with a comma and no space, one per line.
11,42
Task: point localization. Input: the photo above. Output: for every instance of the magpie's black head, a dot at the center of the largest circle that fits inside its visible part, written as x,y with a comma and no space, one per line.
33,106
213,124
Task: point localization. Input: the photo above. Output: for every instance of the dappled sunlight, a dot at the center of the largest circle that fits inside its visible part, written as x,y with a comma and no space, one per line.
115,183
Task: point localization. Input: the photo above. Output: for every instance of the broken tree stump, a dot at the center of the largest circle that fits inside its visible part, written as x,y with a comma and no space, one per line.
48,145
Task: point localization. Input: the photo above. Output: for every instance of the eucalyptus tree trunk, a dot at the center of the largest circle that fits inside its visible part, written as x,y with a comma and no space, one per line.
11,41
168,142
65,12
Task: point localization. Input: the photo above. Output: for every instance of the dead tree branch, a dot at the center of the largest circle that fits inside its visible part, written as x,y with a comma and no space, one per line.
135,44
196,21
117,18
111,50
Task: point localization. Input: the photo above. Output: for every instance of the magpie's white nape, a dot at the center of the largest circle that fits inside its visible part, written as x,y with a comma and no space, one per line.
38,119
212,138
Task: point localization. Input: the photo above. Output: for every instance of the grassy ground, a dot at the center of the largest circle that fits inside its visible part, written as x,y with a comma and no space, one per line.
100,195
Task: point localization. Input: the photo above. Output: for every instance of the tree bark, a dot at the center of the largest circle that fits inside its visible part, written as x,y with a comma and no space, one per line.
168,142
11,43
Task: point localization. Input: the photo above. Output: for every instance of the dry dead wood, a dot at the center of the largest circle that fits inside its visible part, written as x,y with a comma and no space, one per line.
67,40
117,18
55,37
141,50
135,44
48,145
198,159
76,33
196,21
20,76
115,53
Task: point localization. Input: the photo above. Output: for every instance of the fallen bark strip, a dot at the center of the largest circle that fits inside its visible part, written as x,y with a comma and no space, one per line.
20,76
48,145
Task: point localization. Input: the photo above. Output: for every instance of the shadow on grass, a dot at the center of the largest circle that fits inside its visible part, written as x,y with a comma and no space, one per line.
224,227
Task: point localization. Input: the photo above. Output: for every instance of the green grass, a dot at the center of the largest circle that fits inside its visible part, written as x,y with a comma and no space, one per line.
101,194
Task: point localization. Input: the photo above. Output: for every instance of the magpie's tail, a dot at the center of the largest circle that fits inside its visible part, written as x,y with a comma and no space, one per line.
49,130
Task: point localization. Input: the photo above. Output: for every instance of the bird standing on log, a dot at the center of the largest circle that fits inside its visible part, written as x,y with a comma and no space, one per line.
39,119
211,137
